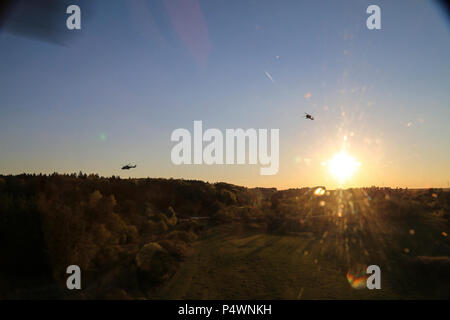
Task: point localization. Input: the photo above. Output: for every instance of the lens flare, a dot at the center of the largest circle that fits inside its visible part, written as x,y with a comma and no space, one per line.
342,166
357,277
102,136
319,191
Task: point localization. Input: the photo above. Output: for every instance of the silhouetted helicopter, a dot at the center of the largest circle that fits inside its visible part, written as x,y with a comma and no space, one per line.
308,116
128,167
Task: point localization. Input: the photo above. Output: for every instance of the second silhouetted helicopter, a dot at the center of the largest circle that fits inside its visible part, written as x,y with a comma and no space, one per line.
128,167
308,116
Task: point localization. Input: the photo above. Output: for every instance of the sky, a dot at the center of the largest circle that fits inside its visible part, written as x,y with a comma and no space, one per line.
115,90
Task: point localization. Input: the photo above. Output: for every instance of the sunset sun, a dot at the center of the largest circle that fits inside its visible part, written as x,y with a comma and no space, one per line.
342,166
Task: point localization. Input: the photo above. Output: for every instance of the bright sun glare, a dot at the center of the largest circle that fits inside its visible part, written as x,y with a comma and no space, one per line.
342,166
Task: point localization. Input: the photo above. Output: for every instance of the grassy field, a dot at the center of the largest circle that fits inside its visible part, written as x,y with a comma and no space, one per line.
232,262
316,245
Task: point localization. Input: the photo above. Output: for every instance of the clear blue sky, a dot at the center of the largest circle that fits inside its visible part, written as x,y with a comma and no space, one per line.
140,69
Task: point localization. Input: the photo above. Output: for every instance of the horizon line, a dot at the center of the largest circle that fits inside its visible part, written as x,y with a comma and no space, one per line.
215,182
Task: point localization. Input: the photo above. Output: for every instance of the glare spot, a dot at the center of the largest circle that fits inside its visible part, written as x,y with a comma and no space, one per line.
357,277
319,191
342,166
269,76
412,232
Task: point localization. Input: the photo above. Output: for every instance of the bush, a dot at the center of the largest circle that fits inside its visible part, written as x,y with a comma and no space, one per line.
151,227
132,234
154,263
171,217
162,227
176,248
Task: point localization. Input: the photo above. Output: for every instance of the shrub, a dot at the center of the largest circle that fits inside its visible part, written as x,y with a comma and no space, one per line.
175,247
154,263
171,217
132,234
162,227
151,227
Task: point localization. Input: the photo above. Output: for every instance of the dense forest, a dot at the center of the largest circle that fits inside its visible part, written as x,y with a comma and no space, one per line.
130,235
107,226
